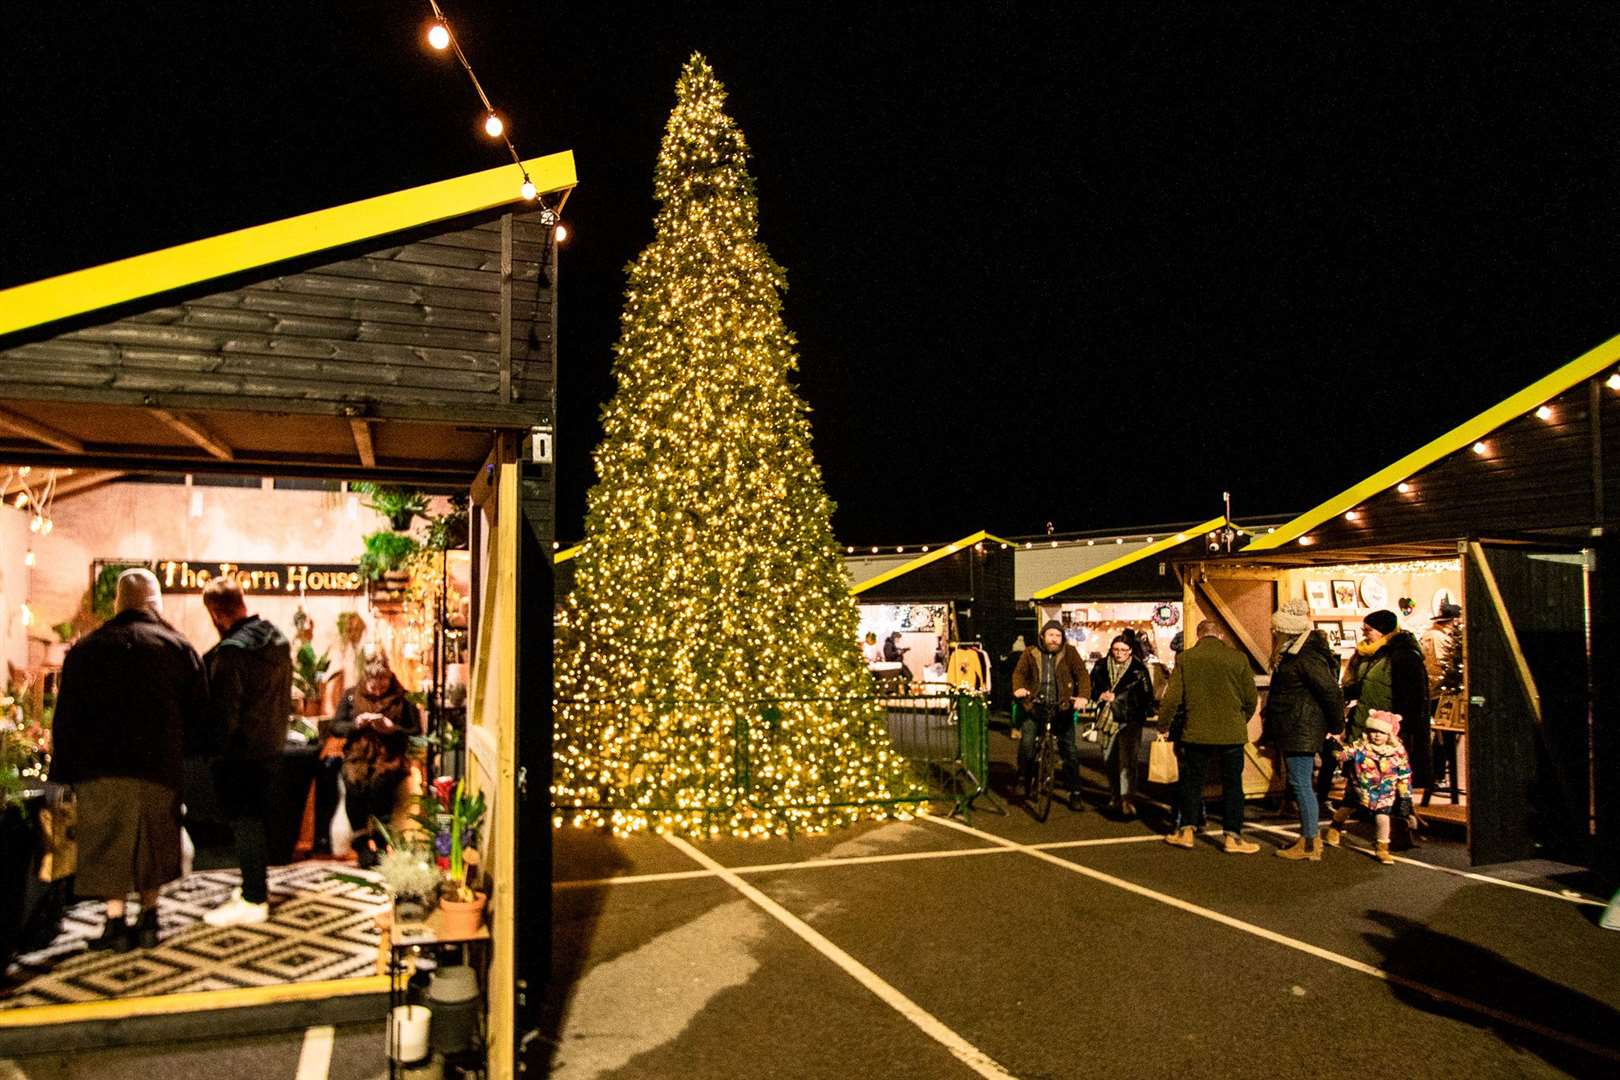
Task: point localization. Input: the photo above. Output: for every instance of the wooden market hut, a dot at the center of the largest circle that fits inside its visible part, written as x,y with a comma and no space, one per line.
1519,501
409,337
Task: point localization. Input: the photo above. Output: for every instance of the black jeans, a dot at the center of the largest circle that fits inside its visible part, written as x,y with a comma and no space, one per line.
374,798
1032,725
1195,765
243,788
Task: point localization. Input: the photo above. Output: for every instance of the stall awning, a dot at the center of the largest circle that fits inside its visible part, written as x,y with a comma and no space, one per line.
927,559
1147,551
1551,459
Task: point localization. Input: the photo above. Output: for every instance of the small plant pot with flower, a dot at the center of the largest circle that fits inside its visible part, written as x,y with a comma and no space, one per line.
410,877
454,819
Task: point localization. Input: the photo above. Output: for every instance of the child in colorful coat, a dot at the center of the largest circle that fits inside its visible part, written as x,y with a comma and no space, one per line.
1380,779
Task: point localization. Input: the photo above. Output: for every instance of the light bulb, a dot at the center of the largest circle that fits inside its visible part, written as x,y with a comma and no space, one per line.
1351,515
33,526
493,126
22,499
1480,448
45,529
28,559
27,615
25,470
1544,413
1614,381
562,232
528,190
438,36
1403,487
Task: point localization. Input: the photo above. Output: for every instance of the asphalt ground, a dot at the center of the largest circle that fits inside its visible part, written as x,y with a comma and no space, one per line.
1101,952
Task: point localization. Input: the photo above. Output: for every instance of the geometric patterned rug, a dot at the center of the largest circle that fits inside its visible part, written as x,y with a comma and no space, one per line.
319,928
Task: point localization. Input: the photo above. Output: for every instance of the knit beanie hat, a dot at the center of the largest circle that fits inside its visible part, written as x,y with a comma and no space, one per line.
1051,624
1294,617
1382,620
139,589
1387,722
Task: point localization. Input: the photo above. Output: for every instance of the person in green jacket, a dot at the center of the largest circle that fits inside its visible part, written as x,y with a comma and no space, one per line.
1212,682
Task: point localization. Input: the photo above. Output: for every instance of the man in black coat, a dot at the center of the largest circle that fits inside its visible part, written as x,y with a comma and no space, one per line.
249,702
131,693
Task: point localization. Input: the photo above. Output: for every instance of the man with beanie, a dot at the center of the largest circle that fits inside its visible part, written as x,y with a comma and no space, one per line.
249,702
131,692
1050,682
1213,683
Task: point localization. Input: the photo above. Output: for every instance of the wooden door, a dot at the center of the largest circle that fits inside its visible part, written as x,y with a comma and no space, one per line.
1525,643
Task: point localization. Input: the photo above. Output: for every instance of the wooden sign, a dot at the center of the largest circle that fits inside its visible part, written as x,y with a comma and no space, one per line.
261,579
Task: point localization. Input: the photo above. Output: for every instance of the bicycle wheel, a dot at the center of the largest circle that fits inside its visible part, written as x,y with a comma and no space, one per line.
1045,776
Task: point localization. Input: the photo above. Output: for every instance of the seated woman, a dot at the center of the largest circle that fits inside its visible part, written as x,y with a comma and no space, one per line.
375,721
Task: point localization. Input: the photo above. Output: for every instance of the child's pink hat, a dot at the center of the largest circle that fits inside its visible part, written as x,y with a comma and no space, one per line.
1387,722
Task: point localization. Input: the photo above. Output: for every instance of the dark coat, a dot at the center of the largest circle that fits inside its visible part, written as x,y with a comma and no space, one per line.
132,693
1133,697
1213,682
370,756
1072,678
249,691
1305,703
1402,686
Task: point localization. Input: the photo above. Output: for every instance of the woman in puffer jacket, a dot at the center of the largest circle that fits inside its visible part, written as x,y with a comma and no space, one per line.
1303,707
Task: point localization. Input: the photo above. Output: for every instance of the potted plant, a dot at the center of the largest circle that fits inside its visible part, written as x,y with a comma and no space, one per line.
453,819
399,505
309,677
448,531
410,877
385,554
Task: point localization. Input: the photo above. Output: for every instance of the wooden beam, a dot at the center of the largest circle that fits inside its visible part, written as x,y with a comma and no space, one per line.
39,432
1261,657
1510,636
82,481
362,442
194,430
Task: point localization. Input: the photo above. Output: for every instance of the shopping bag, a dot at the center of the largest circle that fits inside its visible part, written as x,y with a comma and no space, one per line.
1162,766
59,845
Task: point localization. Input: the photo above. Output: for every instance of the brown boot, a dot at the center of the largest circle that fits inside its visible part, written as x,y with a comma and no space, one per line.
1334,829
1382,851
1182,837
1313,848
1236,845
1297,850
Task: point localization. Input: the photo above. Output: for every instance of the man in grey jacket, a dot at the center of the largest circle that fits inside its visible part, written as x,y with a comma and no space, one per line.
249,702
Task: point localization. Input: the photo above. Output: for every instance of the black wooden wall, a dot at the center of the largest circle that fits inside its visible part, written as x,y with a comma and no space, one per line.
409,330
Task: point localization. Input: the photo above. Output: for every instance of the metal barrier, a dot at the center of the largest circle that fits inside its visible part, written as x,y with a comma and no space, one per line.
712,757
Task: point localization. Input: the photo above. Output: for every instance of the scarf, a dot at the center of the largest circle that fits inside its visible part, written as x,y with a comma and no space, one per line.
1369,649
1116,671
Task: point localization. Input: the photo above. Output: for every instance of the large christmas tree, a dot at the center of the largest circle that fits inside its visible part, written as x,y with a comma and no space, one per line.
710,600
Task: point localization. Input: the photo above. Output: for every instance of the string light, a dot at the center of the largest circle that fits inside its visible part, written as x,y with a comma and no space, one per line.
440,38
530,193
1614,381
1403,487
1544,413
1480,448
1352,515
561,233
28,559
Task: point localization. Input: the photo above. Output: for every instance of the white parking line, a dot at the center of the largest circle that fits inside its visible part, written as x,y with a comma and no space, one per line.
315,1059
1570,895
853,860
960,1048
1293,943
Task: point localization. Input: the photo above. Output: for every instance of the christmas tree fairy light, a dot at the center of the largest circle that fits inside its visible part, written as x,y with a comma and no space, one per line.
708,676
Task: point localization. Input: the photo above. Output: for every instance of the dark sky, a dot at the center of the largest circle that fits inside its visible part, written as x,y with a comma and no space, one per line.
1085,265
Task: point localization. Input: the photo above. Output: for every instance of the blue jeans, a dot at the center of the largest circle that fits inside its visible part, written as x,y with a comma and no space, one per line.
1195,764
1063,726
1299,768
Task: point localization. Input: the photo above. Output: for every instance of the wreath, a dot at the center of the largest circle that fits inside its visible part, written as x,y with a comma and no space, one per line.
1165,615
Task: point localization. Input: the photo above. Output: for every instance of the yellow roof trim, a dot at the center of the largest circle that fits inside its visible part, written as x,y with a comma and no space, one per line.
128,279
932,556
567,553
1465,434
1140,553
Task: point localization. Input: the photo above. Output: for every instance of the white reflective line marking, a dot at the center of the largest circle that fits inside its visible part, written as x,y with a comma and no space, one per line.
960,1048
1293,943
315,1059
1569,895
822,864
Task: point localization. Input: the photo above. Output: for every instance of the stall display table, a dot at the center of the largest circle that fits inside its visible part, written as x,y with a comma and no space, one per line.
401,946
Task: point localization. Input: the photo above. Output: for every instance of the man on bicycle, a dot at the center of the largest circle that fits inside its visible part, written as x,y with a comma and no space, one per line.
1049,683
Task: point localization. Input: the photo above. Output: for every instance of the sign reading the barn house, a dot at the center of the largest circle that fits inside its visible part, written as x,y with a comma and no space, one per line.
183,576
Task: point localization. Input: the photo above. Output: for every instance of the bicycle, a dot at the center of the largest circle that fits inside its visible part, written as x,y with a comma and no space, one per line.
1044,780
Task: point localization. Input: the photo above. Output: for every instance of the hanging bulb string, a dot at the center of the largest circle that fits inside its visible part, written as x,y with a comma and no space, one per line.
492,123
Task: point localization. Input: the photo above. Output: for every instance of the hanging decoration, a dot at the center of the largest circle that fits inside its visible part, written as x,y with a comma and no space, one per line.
1166,615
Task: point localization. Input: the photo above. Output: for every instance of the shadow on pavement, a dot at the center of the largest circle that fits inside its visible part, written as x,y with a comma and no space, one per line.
575,914
1417,952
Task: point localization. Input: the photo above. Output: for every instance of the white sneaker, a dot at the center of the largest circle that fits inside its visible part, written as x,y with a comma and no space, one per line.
237,912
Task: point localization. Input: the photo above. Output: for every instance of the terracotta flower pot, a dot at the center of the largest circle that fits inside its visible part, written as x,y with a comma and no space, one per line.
461,920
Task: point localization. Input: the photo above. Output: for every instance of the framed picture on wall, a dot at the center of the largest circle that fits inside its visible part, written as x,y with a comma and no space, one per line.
1344,593
1319,595
1351,634
1333,631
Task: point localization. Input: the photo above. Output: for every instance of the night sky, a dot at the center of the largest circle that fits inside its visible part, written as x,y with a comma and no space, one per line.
1086,267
